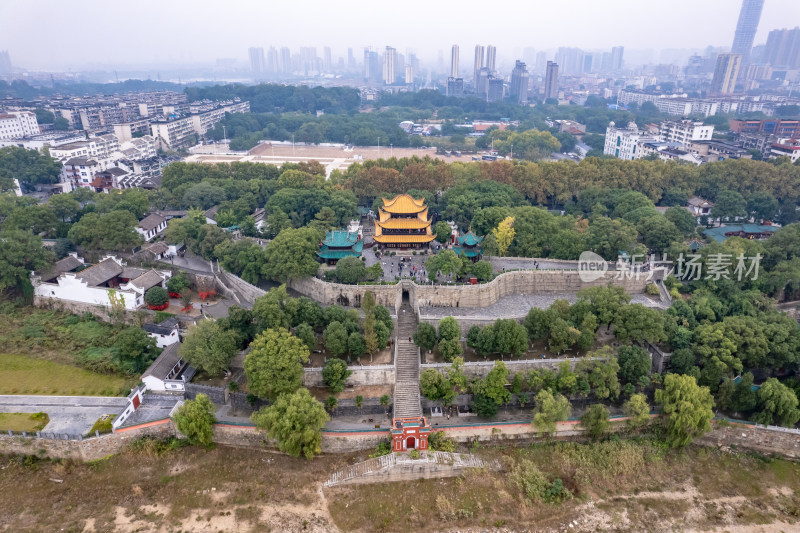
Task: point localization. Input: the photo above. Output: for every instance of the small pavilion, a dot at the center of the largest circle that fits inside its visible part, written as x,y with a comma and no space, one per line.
469,245
410,434
339,244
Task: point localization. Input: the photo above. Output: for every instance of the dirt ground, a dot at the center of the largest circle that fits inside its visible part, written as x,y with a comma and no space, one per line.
616,486
336,152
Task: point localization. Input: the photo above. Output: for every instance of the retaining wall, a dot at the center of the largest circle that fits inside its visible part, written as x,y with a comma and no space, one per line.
361,375
482,368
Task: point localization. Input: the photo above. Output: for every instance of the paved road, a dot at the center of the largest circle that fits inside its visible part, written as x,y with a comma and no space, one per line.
68,414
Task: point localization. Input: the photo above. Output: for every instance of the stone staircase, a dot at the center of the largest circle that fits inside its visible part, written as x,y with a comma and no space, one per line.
406,386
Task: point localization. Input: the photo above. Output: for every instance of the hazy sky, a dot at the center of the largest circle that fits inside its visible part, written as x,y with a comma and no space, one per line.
62,34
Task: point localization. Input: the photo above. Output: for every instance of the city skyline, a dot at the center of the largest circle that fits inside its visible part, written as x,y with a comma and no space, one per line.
226,34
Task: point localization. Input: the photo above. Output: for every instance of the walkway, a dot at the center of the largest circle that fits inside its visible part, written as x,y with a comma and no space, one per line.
406,387
73,415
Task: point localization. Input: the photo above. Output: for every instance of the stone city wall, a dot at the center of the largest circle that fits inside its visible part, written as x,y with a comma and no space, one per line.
471,296
482,368
361,375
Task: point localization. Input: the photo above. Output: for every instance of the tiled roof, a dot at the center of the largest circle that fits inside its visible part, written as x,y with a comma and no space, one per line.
148,279
151,221
403,203
403,223
68,264
469,239
165,362
100,273
403,238
723,232
132,272
340,239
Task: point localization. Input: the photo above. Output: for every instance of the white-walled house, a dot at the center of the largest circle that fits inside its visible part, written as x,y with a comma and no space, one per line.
99,284
165,332
151,226
168,372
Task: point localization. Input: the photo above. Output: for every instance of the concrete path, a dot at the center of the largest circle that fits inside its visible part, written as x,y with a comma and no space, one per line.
74,415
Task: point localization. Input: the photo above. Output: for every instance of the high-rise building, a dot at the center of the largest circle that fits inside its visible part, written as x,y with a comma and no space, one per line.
257,62
725,73
519,83
541,62
478,65
389,63
782,50
746,28
273,60
491,58
454,61
616,57
482,82
351,59
409,74
455,86
327,62
551,80
5,65
495,89
286,60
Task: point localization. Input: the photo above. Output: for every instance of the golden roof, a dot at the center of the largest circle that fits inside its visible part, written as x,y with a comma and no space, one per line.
383,239
403,204
403,223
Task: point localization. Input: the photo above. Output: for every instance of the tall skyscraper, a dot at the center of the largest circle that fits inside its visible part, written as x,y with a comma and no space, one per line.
782,50
327,62
519,82
409,74
286,60
478,65
551,80
454,61
273,60
351,59
495,89
725,73
5,65
491,58
257,62
746,28
616,57
389,63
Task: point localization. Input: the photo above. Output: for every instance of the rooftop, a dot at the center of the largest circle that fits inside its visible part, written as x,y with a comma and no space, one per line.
99,273
151,221
403,204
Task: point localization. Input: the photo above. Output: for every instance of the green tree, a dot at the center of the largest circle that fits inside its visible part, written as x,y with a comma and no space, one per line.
657,232
442,231
688,407
596,421
482,270
449,329
335,374
682,218
450,349
196,419
335,338
306,333
484,406
178,282
778,404
605,302
134,349
637,410
436,387
109,231
425,337
295,420
548,410
274,364
64,206
487,340
350,270
608,237
635,322
634,364
21,252
511,337
356,344
273,310
209,347
30,167
762,206
729,205
562,335
292,255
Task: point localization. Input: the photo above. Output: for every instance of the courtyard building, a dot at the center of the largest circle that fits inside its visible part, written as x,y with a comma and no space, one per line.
403,222
339,244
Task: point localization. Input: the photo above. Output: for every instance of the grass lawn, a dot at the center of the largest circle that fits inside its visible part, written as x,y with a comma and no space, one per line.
103,424
23,421
20,374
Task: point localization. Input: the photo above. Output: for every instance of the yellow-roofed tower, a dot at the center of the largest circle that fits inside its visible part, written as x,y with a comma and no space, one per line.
403,222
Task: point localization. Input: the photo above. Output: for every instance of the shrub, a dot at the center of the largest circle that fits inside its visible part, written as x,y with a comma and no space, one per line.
651,289
384,448
438,441
414,454
156,296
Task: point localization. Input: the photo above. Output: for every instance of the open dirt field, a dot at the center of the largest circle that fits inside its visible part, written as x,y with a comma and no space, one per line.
615,486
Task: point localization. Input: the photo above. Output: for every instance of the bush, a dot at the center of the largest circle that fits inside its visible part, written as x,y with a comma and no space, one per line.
438,441
178,282
156,296
651,289
384,448
414,454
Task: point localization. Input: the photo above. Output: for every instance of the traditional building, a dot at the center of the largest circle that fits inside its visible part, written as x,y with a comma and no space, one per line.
403,222
469,245
339,244
410,434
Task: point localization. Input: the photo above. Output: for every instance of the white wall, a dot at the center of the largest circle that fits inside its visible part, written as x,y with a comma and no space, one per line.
162,341
71,288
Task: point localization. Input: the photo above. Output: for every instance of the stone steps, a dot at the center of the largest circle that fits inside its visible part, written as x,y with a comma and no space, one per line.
406,388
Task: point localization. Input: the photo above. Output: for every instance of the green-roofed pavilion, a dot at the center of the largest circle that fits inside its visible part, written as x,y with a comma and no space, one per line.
339,244
469,245
746,231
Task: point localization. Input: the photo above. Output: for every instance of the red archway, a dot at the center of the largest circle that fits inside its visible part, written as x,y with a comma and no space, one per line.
411,443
